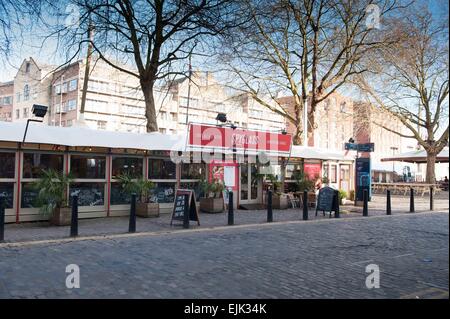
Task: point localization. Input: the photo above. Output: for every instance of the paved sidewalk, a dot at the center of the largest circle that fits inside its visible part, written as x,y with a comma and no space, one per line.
117,225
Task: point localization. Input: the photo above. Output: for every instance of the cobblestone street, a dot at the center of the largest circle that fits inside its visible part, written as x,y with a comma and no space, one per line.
117,225
313,259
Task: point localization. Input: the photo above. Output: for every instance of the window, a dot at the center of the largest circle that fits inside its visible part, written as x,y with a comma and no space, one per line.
96,105
34,163
7,191
25,112
162,130
73,84
57,89
118,195
89,194
161,169
163,115
7,100
18,96
173,116
71,105
26,92
333,174
101,125
88,166
132,166
69,122
27,67
29,196
17,114
193,170
192,102
7,166
163,193
343,107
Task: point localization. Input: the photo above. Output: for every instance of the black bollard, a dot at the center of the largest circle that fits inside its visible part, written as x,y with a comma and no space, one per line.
186,212
2,218
305,205
411,200
230,209
74,219
336,212
431,198
132,223
388,202
365,204
269,207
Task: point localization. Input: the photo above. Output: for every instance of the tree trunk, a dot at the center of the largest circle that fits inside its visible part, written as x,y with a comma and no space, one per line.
297,138
311,124
431,162
150,110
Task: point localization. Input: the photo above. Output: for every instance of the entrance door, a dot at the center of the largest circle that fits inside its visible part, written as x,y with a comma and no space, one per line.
250,184
345,177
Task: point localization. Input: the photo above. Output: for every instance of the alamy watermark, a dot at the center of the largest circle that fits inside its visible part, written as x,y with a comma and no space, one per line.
73,277
373,279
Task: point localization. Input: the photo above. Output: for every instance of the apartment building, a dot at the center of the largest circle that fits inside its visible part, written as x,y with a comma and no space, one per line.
6,101
115,102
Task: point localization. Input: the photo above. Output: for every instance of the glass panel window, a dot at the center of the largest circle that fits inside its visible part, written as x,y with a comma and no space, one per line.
7,166
34,163
7,192
193,170
29,196
85,166
127,165
333,174
118,196
72,84
161,169
195,186
89,194
163,193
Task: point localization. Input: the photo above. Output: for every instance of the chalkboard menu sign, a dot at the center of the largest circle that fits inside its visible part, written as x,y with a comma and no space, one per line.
326,201
180,206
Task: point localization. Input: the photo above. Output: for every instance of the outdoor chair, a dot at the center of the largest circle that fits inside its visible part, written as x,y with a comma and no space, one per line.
294,201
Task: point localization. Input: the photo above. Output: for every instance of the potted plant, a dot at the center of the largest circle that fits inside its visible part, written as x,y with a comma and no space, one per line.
141,187
212,200
279,199
52,198
342,197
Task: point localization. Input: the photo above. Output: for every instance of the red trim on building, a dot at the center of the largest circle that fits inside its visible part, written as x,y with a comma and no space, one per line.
18,187
108,209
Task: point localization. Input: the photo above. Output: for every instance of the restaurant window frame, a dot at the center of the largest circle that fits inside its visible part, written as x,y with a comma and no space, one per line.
161,180
90,180
8,180
114,181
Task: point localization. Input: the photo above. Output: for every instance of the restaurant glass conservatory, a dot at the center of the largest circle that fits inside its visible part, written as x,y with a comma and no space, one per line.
95,159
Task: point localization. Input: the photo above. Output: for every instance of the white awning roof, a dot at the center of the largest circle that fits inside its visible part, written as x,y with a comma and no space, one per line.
419,156
81,136
318,153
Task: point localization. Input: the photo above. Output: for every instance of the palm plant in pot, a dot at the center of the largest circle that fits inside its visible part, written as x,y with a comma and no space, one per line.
212,200
142,188
52,196
279,199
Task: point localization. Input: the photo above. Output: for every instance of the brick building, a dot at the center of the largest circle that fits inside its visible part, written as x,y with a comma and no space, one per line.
6,100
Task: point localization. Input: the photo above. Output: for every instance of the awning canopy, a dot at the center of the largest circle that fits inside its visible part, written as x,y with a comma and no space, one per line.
81,136
419,156
40,133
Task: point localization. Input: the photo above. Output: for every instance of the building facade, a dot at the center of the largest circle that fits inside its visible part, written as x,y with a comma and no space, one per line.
6,101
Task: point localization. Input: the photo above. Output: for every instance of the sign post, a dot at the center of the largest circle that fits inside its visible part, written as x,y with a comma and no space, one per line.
185,207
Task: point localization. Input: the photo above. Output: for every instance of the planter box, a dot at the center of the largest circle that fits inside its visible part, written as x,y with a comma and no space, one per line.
147,210
61,216
211,205
280,201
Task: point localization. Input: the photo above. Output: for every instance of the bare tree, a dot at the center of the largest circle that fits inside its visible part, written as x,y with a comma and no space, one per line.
410,80
16,16
308,49
152,36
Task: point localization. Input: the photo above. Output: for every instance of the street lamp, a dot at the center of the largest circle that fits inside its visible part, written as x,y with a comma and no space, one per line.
38,111
393,148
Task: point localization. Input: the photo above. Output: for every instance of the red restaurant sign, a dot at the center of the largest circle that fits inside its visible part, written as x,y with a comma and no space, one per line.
207,136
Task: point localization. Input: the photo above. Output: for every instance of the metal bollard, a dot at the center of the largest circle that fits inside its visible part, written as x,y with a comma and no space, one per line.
365,204
431,198
305,205
74,219
186,212
388,202
269,207
336,212
132,223
411,200
230,209
2,218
